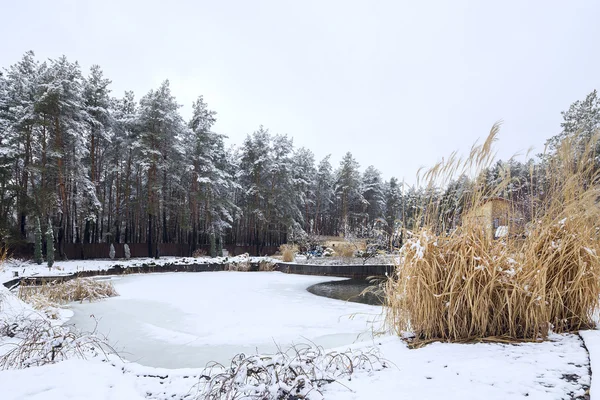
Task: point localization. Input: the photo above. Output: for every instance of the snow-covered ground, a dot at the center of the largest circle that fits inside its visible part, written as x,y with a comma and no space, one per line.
195,318
249,309
438,371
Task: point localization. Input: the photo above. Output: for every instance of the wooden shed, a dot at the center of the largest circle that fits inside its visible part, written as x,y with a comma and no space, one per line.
497,217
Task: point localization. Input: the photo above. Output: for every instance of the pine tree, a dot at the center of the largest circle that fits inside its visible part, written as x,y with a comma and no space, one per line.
111,252
50,245
160,126
127,251
348,194
324,197
37,255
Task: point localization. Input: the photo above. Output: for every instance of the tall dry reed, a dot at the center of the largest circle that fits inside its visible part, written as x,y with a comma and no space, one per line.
461,284
288,252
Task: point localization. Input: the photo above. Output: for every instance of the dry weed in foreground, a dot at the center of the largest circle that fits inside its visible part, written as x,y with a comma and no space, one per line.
39,342
463,285
288,252
56,293
298,373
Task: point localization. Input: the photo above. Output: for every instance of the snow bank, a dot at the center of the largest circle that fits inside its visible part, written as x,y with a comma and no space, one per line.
61,268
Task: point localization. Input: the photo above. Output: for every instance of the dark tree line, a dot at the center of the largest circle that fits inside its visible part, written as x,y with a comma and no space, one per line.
99,169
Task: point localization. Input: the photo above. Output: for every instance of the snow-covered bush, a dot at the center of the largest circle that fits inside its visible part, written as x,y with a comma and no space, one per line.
111,252
328,252
299,373
127,251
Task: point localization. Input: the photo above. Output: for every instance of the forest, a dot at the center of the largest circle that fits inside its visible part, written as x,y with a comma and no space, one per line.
94,168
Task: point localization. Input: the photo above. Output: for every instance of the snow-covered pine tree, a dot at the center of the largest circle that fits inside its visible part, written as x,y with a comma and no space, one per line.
324,198
373,194
126,165
160,126
111,252
18,120
348,194
209,174
98,137
581,121
61,105
303,175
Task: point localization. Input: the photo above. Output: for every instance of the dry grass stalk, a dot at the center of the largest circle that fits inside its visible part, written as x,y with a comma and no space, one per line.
288,252
462,285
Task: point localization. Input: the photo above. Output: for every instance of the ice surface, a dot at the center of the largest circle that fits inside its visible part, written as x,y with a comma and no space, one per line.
177,320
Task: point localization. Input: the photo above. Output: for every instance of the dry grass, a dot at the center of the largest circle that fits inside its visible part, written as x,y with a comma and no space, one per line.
463,285
266,266
199,253
56,294
345,250
288,252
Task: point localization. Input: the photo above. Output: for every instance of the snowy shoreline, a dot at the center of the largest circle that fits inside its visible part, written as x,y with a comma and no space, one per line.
559,368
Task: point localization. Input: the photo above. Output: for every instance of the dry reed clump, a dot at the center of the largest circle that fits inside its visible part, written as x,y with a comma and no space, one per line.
345,250
288,252
56,294
266,266
463,285
199,253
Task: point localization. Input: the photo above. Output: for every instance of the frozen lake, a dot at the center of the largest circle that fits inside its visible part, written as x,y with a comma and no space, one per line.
178,320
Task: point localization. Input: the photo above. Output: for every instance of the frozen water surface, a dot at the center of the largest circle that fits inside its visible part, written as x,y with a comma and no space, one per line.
178,320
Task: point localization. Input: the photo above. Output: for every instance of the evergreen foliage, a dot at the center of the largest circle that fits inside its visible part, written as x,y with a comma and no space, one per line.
134,171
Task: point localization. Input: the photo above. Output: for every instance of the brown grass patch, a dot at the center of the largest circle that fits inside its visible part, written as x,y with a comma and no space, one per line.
56,294
345,250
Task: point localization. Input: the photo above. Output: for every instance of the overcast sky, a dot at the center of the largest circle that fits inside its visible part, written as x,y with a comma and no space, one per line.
399,84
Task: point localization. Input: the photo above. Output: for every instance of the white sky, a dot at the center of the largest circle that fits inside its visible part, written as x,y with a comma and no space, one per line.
400,84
